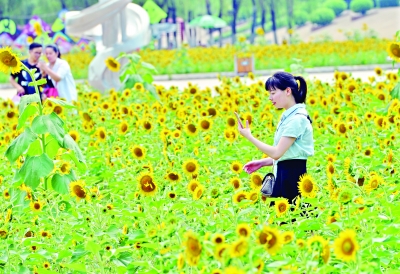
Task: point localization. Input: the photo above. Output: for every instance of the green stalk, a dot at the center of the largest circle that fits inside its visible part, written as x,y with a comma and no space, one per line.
40,109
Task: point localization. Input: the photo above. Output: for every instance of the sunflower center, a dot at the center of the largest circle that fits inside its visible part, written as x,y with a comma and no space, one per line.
111,63
147,184
191,128
36,206
396,51
173,176
348,247
282,208
243,232
190,167
194,247
138,152
231,122
263,238
308,186
205,124
79,191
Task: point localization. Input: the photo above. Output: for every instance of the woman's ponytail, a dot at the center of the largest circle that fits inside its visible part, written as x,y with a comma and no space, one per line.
302,89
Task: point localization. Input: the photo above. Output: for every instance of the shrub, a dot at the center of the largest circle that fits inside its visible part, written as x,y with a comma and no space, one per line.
300,17
361,6
336,5
323,16
388,3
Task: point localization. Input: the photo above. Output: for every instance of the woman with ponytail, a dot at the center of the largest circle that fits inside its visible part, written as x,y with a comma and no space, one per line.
293,141
58,74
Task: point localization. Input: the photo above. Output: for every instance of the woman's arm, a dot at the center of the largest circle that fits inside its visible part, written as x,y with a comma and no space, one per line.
49,71
275,152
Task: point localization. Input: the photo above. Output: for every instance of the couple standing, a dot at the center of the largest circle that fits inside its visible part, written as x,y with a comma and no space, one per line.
57,72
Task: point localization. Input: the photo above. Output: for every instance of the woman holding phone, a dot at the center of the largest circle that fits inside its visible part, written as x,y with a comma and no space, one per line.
293,140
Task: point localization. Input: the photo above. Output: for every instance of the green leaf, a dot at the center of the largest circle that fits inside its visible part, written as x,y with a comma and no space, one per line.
69,143
77,266
35,148
152,90
71,156
395,93
61,102
124,259
26,100
149,67
79,253
131,80
60,183
23,270
64,254
52,146
148,78
49,123
135,58
29,111
40,82
92,247
34,168
20,145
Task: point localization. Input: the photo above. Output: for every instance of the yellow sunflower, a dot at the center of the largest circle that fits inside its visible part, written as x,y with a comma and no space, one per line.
235,182
287,236
36,206
77,189
138,86
193,184
271,238
190,167
346,246
146,185
281,207
9,61
239,248
123,128
138,152
74,135
307,186
3,233
65,168
238,197
236,167
191,129
205,124
256,180
233,269
101,134
393,50
243,230
198,192
221,251
218,239
193,248
112,64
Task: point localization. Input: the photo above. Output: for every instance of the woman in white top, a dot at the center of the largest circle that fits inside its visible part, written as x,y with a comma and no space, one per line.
59,73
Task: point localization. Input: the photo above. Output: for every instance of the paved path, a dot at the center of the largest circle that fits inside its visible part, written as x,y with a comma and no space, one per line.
203,83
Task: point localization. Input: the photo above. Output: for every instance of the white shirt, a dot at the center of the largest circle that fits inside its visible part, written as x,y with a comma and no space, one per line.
66,86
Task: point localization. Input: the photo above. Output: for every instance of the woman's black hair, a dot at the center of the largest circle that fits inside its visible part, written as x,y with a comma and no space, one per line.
55,48
283,80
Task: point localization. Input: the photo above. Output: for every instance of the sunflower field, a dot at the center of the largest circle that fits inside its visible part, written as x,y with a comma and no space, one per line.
215,59
163,190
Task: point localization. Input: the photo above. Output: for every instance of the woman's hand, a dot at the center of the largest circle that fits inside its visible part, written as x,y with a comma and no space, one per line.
252,166
245,131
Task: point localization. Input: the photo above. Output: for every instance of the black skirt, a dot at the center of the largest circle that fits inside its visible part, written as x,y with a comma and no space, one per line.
287,178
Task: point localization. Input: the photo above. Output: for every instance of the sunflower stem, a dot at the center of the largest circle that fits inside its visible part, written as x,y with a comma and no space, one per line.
43,140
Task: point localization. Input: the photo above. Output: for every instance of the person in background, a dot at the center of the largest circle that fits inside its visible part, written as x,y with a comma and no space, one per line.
58,74
23,77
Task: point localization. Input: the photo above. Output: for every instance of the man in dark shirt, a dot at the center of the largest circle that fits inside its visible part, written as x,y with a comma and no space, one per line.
22,83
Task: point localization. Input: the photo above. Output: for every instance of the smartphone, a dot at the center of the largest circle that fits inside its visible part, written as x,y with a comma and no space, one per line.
239,121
